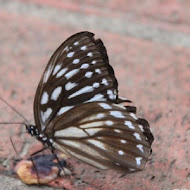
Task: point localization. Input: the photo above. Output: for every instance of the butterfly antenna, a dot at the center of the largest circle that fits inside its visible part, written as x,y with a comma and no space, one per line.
15,111
17,123
14,147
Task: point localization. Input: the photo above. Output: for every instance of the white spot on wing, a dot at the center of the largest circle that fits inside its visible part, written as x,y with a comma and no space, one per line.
83,48
57,67
93,62
112,96
105,106
89,54
70,54
88,74
75,61
86,89
138,160
100,115
64,109
121,152
61,72
93,124
117,114
133,116
93,131
120,106
92,118
97,143
71,73
140,147
84,66
70,85
117,130
47,73
98,71
132,169
55,94
129,124
105,82
109,123
141,128
70,132
44,98
123,141
66,48
76,43
97,97
96,85
137,136
45,115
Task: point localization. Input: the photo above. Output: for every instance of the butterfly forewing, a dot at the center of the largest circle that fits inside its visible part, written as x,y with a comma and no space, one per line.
78,72
104,135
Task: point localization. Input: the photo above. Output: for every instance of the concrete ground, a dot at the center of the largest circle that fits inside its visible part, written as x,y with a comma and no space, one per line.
148,43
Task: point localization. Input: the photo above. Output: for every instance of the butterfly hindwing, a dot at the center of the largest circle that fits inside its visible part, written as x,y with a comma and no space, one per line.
77,72
104,135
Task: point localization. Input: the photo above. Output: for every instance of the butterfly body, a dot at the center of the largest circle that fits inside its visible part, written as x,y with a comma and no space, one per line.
78,111
44,139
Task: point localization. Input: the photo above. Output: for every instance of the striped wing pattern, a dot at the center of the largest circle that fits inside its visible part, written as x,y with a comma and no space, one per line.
78,72
104,135
78,109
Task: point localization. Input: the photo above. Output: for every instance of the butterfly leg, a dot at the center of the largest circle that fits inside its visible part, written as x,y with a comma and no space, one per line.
33,160
14,147
52,150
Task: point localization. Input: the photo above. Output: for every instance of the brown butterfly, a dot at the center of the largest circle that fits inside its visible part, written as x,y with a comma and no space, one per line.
78,112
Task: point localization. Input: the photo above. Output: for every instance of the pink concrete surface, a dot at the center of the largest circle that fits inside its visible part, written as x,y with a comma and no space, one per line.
153,74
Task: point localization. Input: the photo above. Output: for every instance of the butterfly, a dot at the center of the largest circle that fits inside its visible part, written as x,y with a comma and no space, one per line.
77,109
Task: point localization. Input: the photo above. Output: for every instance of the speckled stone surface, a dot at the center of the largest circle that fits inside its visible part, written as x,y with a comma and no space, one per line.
148,44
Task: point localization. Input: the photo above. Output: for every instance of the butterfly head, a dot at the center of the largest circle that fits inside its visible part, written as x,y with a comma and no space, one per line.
32,130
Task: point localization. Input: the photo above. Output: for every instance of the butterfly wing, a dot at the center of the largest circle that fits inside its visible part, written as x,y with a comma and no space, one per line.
104,135
77,72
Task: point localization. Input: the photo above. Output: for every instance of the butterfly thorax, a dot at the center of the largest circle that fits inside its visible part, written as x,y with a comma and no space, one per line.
33,131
